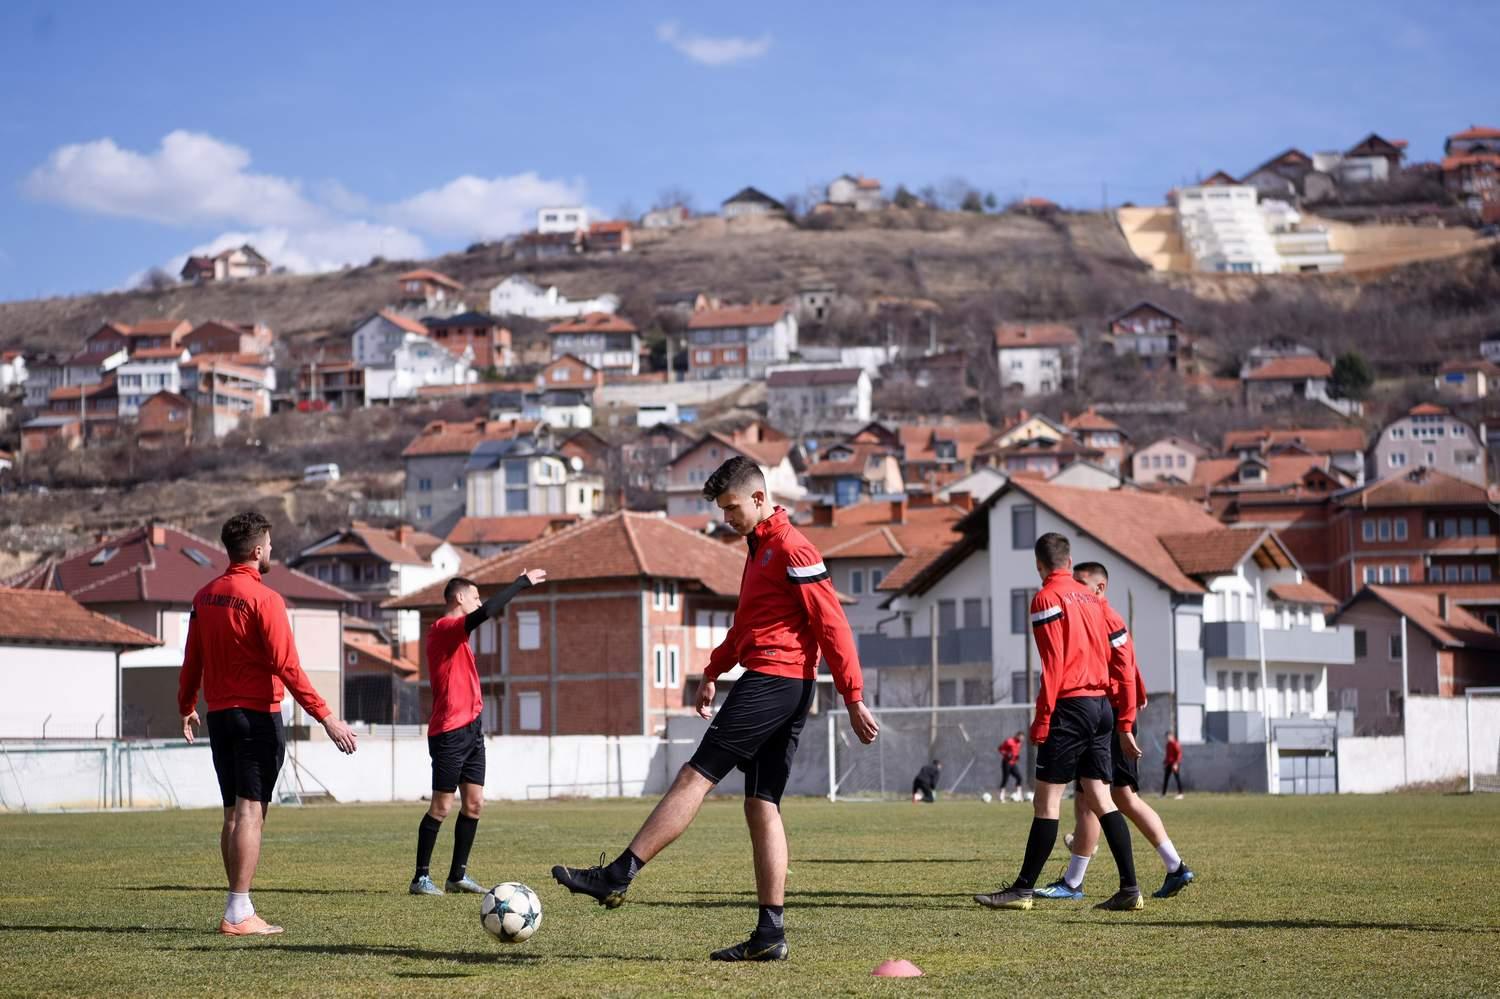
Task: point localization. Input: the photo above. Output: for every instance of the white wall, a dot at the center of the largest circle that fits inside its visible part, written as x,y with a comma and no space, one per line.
75,686
1036,369
1436,730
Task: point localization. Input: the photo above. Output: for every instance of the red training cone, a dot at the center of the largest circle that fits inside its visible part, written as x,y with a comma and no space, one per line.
897,969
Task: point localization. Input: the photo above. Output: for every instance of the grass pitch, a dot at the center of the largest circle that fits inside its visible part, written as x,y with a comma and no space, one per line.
1296,896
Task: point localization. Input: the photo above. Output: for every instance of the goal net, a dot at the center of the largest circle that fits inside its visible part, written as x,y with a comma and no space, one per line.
1482,737
964,739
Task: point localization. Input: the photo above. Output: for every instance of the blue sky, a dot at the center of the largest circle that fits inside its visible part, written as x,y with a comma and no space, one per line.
131,134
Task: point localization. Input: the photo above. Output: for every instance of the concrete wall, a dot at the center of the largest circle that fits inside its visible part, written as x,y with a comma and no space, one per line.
1435,751
75,687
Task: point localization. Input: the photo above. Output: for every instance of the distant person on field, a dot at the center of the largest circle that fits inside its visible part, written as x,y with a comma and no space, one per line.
455,734
1173,765
924,785
239,646
1010,755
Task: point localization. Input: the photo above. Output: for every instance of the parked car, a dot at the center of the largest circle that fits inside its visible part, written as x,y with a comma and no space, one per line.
320,473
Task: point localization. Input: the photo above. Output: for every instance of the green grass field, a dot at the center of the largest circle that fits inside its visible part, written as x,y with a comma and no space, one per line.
1306,896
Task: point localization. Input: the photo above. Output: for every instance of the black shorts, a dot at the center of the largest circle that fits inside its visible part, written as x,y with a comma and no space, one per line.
457,757
1078,742
1126,772
248,748
757,730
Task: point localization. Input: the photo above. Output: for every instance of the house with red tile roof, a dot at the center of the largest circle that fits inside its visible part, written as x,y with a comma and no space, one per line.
147,577
217,336
803,399
1344,446
739,341
760,442
60,666
1430,436
846,473
1156,338
434,494
605,341
485,537
617,638
234,264
1467,380
479,334
380,676
1036,358
399,357
1170,459
608,237
427,289
855,192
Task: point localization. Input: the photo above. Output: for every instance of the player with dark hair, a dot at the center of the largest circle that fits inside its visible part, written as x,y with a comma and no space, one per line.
1126,781
1010,754
455,734
924,785
239,647
1072,725
1172,764
788,612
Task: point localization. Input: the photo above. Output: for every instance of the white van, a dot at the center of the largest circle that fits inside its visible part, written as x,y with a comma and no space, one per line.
320,473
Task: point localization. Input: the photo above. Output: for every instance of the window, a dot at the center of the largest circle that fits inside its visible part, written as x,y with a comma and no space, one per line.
857,582
1482,575
658,666
1369,574
703,627
1492,620
947,615
1385,574
1349,699
1385,530
876,575
528,629
1399,529
424,512
530,704
1022,527
973,612
1395,646
1393,702
1181,460
1466,574
1431,457
1403,574
352,658
672,595
674,672
658,600
1369,530
1397,459
1020,611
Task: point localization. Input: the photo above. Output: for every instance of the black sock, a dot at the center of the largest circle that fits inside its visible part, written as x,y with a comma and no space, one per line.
770,926
1117,835
426,840
1038,848
463,842
626,866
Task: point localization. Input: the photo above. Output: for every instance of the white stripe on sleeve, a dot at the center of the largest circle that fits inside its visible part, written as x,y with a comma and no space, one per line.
1046,614
806,571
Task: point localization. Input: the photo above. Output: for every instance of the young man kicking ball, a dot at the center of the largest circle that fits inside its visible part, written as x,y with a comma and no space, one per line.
1126,784
1072,726
455,735
788,612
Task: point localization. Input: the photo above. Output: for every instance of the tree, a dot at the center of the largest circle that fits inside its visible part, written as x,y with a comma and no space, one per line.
991,202
903,198
156,279
1352,376
972,202
671,197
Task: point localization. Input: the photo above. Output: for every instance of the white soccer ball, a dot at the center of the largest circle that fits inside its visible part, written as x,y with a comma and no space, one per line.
510,912
987,797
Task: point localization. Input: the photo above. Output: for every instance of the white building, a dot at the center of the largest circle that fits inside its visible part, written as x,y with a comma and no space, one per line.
770,449
146,373
1429,436
1227,229
399,358
513,478
569,219
739,341
859,193
12,370
1036,358
807,398
608,342
518,295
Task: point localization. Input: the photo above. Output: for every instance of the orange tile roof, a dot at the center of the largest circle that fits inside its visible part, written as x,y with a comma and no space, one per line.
1419,487
1303,593
909,568
444,437
51,617
396,319
1477,132
1281,368
154,327
1010,335
1471,159
609,227
917,439
1213,552
1281,470
379,651
622,545
594,322
423,274
733,316
517,530
1478,364
1428,409
1090,419
157,354
1317,440
1461,630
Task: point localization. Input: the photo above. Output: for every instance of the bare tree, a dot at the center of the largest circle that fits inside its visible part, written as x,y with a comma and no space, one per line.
156,279
671,196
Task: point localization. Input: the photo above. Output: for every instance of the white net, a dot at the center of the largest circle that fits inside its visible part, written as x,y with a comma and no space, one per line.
964,739
1482,737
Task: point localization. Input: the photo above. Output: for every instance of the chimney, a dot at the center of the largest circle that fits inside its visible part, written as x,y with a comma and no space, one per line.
898,511
962,498
403,534
158,536
1443,606
822,515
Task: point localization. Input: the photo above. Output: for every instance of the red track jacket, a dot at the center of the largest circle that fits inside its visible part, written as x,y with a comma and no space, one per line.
788,610
1127,691
1073,640
240,646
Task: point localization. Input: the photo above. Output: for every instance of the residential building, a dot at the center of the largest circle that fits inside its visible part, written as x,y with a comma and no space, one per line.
1423,526
567,219
649,456
427,289
48,643
1094,431
847,473
399,358
333,385
90,367
1296,373
750,203
235,264
44,372
944,375
569,372
1429,436
146,373
486,537
1344,446
1489,347
739,341
164,420
1468,380
477,333
609,343
96,406
1447,649
1156,337
148,334
949,448
1471,165
546,246
147,578
516,477
561,408
1041,457
219,337
669,217
518,295
767,447
861,194
374,564
435,494
1227,229
1036,358
1281,176
38,433
380,680
632,607
12,371
608,237
800,399
1170,459
1372,159
230,392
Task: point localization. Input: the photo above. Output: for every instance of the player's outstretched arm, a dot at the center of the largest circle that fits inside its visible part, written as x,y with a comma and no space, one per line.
492,607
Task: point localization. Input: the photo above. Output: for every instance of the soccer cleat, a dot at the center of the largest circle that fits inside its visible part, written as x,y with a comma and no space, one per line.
1124,900
752,950
1175,882
423,885
594,882
465,884
250,926
1059,889
1006,898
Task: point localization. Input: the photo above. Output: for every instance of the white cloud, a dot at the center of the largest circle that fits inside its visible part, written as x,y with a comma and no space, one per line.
713,51
190,179
475,207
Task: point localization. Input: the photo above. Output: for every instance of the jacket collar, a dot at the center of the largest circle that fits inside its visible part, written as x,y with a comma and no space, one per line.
243,569
769,528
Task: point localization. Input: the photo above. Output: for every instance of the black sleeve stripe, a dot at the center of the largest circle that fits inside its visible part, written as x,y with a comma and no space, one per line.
803,580
1046,615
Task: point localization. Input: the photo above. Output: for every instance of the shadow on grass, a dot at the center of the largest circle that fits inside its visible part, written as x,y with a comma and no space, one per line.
34,928
1302,924
418,954
817,900
430,974
257,890
888,860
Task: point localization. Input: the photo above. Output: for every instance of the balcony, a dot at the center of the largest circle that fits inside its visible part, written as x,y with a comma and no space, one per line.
957,647
1241,640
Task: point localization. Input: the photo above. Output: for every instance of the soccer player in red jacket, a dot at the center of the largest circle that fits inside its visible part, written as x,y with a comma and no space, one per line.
239,646
1073,725
1173,765
1010,753
788,612
1126,783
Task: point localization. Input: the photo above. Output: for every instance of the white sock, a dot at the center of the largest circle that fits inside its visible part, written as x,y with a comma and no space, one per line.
1076,867
1168,854
238,908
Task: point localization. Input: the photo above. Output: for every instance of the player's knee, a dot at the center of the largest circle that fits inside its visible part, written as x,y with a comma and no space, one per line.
440,807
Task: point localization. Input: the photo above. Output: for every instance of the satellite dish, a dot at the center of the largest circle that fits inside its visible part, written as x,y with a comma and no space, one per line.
576,463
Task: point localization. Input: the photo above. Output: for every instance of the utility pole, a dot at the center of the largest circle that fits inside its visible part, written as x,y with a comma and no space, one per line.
933,727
